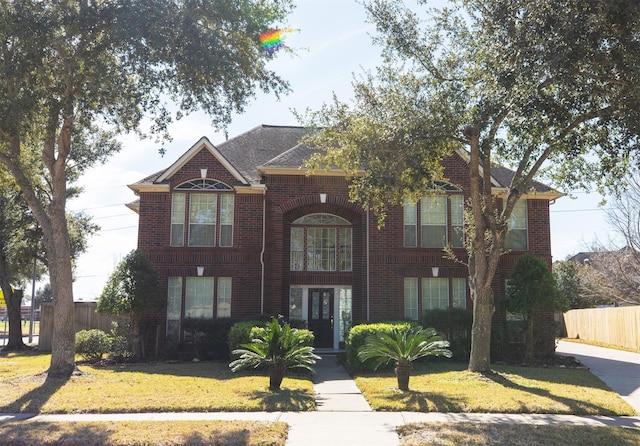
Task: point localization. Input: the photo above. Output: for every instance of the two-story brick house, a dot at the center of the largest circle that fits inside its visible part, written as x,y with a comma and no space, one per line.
240,229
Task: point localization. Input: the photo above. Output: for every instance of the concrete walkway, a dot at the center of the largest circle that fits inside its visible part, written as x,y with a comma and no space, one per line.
618,369
344,417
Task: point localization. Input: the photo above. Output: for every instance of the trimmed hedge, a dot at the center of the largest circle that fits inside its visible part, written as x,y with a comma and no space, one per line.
358,336
240,333
455,325
307,335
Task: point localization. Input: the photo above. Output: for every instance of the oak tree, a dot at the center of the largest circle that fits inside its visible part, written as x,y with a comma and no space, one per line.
75,74
547,87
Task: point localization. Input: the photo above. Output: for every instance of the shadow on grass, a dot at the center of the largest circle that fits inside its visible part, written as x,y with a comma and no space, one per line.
283,400
35,399
429,402
71,434
577,407
204,369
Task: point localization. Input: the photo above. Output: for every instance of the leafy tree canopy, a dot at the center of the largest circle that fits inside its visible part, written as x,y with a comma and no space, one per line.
133,288
75,74
546,87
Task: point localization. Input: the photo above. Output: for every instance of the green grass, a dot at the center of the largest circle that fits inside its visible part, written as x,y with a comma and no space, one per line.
4,328
156,387
449,387
474,434
130,433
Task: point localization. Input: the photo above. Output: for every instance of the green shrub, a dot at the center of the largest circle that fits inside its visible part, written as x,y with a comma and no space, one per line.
210,337
92,344
358,336
455,325
120,347
305,336
240,333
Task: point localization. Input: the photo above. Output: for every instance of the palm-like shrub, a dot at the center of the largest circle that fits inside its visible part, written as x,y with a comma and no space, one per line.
403,346
276,350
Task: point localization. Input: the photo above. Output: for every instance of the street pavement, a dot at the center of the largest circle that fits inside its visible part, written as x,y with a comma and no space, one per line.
343,416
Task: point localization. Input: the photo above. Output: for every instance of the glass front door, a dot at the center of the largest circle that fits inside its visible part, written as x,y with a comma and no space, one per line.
320,316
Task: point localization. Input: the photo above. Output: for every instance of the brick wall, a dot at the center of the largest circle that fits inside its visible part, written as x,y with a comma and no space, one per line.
287,198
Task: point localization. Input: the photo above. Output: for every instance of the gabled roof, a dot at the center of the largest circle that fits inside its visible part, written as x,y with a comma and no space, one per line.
202,143
269,148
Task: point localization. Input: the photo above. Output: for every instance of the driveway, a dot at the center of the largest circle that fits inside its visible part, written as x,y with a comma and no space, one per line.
619,369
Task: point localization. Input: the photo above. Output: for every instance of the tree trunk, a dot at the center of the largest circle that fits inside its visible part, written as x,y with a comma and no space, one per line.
530,356
276,376
14,315
136,344
487,240
56,238
403,373
63,348
480,356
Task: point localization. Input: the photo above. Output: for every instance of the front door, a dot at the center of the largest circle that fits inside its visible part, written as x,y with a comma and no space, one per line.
321,316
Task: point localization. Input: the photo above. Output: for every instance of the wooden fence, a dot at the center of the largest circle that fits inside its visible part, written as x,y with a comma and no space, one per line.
618,326
85,318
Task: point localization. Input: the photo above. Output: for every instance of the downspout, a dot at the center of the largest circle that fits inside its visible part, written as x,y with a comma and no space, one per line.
264,231
368,271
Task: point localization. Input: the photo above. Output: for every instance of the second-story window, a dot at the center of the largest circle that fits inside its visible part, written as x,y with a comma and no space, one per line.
517,237
321,242
436,220
207,212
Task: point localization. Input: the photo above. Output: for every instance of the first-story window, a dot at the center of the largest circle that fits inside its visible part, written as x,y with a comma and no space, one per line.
174,308
200,293
198,297
459,292
224,297
295,304
411,298
433,293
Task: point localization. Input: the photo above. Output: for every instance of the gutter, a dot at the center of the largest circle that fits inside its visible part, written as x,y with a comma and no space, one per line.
264,231
368,272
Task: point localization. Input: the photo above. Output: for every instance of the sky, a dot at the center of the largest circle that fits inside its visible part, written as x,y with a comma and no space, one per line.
333,43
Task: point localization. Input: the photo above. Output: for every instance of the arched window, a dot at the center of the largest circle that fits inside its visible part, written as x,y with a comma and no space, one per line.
321,242
207,215
203,184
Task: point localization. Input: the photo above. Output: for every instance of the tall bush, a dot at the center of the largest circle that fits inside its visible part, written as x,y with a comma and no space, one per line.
455,324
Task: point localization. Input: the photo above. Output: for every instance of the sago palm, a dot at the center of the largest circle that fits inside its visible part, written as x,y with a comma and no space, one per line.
276,350
403,346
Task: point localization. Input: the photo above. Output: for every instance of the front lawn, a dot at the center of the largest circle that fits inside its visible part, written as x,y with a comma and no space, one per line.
473,434
144,387
449,387
131,433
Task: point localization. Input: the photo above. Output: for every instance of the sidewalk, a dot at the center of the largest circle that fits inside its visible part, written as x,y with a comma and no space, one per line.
344,417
